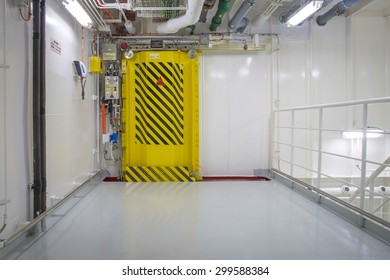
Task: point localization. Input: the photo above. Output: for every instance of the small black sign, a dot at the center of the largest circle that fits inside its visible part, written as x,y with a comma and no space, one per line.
156,44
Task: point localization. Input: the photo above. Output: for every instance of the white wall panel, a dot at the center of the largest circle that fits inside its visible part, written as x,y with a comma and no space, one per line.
235,112
13,116
215,110
329,53
292,83
70,121
369,41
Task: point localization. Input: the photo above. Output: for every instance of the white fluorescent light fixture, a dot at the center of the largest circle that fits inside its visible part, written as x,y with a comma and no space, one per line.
301,12
78,12
372,132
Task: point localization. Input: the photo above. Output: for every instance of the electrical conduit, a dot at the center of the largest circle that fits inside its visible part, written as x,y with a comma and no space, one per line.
223,7
43,104
189,18
37,186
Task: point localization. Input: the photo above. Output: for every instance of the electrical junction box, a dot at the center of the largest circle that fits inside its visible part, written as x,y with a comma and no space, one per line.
111,85
110,52
96,65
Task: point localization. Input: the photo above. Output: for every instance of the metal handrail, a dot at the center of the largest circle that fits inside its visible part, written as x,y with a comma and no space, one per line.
98,177
289,141
338,104
332,154
333,198
322,174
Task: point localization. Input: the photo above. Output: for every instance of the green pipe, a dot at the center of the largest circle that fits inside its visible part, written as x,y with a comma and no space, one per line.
223,7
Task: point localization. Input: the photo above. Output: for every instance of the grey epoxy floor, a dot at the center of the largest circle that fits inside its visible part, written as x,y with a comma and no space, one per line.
204,220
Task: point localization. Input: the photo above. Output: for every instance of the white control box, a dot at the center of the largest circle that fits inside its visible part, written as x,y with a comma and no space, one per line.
112,87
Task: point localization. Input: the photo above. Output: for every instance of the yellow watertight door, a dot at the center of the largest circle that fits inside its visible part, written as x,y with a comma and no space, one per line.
160,117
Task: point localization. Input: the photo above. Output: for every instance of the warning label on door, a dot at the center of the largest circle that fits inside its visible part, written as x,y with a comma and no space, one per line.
160,82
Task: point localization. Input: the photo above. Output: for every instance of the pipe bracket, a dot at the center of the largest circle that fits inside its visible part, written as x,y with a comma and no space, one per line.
4,66
4,202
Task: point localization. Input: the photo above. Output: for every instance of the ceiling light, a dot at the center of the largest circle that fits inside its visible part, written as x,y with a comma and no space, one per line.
129,54
301,12
372,132
192,53
78,12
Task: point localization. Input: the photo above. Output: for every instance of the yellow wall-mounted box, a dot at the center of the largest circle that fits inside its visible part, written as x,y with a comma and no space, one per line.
96,64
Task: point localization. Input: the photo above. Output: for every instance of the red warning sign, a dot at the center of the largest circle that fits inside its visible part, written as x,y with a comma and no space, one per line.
160,82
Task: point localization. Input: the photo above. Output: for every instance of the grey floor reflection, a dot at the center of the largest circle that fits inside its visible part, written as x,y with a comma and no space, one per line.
202,220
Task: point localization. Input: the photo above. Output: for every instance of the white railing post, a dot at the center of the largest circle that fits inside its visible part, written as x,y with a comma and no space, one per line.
271,148
292,144
364,157
319,164
371,197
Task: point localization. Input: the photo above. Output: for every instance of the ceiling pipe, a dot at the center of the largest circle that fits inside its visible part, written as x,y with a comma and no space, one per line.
93,12
223,7
337,10
241,26
190,17
238,20
102,4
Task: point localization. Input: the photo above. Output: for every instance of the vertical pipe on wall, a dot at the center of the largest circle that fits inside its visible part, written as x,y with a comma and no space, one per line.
336,10
3,225
43,102
37,187
98,119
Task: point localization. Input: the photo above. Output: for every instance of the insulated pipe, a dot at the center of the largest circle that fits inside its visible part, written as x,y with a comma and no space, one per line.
37,187
234,23
43,103
336,10
207,6
223,7
190,17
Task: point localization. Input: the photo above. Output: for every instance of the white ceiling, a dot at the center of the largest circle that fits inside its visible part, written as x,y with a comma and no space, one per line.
377,8
371,7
